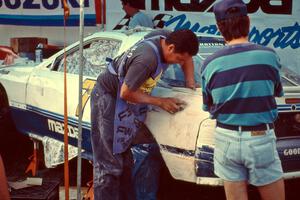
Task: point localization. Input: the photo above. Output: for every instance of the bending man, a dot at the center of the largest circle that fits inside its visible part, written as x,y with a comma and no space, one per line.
119,100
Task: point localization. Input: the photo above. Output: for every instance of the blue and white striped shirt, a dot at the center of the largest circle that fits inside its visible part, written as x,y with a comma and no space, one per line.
239,84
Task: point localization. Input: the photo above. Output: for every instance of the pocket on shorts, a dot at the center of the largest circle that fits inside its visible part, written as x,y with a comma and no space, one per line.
263,153
220,151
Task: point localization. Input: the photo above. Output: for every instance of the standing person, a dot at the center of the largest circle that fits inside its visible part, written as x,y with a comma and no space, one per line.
240,83
138,18
118,105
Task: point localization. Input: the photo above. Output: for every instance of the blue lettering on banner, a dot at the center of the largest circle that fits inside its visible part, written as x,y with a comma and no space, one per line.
43,20
15,5
47,4
288,36
28,4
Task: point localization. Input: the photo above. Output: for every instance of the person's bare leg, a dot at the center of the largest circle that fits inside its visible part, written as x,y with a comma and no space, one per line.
236,190
3,183
272,191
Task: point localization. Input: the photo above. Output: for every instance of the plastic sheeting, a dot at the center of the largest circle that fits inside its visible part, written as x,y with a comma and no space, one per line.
94,58
54,151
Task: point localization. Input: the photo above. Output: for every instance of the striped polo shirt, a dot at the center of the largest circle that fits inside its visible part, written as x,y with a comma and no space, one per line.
239,84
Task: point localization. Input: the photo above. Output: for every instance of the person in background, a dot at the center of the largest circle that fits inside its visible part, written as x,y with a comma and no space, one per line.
119,105
4,194
239,85
138,18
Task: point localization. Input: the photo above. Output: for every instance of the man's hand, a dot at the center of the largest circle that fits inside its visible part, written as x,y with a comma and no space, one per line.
190,84
172,105
188,70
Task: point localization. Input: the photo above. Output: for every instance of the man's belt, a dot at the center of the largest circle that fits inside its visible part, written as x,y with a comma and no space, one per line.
260,127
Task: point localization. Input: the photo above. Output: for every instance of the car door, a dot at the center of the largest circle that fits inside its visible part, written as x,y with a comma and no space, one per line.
177,134
45,90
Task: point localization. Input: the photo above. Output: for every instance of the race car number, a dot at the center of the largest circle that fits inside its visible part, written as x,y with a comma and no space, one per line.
87,87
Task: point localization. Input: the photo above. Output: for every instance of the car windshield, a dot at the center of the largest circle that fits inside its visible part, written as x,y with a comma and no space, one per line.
174,76
289,77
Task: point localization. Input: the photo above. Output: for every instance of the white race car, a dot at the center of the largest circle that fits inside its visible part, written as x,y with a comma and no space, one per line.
33,96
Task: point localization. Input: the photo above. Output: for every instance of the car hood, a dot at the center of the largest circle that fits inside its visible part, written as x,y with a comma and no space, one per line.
19,68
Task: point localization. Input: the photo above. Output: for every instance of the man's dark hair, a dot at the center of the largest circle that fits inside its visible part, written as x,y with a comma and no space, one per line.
185,41
133,3
235,27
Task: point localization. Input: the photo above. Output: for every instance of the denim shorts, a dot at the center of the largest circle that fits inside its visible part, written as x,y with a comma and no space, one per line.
242,156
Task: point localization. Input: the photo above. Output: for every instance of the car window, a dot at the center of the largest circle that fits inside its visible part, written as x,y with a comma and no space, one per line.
94,57
174,76
289,77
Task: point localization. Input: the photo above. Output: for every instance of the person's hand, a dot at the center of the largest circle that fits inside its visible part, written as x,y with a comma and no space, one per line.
172,105
190,84
10,57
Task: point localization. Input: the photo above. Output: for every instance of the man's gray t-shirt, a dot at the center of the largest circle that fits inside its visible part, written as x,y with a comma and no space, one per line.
140,64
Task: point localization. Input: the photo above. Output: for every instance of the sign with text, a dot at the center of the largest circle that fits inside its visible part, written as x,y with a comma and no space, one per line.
274,23
44,12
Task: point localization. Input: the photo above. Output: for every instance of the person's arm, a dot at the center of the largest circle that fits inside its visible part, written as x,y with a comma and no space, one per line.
188,70
8,51
278,89
9,59
206,94
3,183
171,105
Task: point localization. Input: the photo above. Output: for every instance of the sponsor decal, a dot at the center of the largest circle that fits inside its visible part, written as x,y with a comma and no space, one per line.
45,12
291,152
35,4
58,127
286,36
266,6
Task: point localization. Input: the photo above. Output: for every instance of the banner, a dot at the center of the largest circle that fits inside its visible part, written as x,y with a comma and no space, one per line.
45,12
274,23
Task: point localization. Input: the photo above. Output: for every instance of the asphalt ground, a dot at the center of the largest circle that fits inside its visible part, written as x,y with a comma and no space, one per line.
15,148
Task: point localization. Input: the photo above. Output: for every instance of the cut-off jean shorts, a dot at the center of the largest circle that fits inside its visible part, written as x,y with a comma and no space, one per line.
240,156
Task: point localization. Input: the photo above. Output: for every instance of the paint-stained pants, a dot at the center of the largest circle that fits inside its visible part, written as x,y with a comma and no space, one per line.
146,171
112,173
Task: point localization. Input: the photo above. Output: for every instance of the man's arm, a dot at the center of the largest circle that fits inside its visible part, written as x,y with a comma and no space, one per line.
188,70
171,105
